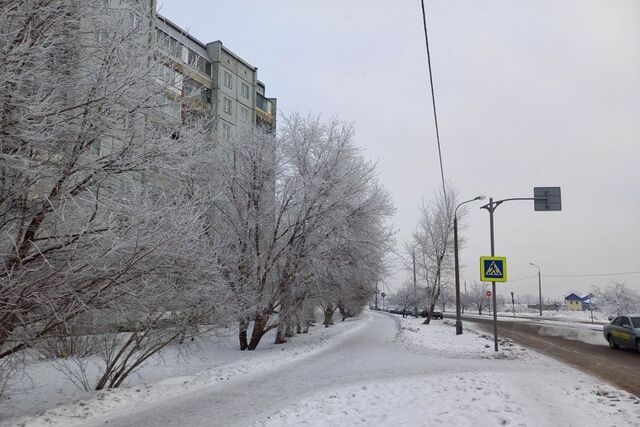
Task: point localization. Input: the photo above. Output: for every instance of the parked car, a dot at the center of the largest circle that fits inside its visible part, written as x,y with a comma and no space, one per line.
394,309
435,315
623,331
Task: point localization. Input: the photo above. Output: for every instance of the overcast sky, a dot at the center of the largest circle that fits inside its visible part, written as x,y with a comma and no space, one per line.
529,93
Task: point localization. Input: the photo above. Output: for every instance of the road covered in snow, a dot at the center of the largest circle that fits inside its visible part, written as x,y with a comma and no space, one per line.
384,370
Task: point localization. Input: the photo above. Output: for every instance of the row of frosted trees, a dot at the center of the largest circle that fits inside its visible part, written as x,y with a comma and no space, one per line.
122,232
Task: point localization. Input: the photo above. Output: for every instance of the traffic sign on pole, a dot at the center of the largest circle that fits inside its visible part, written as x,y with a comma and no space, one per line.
488,294
547,199
493,269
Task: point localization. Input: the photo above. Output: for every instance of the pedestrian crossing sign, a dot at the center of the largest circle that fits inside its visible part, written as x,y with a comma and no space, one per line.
493,269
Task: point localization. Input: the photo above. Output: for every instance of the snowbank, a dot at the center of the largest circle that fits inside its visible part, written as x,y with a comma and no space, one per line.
439,337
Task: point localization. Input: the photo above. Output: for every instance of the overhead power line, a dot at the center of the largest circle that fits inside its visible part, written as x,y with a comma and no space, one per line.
433,96
592,275
577,275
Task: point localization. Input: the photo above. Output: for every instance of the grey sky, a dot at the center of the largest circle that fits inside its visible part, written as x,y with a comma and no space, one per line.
530,93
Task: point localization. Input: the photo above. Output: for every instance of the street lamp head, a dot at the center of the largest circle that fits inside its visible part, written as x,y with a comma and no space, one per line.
480,198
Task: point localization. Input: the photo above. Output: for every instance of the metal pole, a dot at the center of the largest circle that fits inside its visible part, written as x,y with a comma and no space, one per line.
376,294
540,290
513,304
415,285
493,284
457,274
457,264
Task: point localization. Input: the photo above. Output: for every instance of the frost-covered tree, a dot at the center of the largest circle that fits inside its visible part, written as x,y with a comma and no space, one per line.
617,298
447,295
294,211
476,296
102,223
433,240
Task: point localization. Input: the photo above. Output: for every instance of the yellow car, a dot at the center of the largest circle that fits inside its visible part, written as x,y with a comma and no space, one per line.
623,331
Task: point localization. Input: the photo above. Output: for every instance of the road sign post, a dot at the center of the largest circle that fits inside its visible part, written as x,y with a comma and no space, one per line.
513,304
545,199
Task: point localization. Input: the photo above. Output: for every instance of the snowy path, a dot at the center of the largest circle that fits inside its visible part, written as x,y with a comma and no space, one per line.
370,379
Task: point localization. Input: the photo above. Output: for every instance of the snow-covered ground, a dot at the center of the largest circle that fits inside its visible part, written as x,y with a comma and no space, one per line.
378,369
523,388
44,396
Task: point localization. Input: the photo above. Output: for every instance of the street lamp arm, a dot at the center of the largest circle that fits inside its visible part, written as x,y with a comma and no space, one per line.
455,211
494,205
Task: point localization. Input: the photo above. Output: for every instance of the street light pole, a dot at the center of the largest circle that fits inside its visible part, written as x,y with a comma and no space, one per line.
457,268
539,286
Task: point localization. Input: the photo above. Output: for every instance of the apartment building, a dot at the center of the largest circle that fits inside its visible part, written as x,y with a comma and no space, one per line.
211,76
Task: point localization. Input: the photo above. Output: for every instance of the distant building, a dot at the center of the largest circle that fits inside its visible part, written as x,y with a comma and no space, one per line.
578,303
573,302
211,76
587,302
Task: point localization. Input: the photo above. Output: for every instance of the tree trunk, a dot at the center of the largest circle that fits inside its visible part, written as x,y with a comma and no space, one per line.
430,309
288,329
280,335
242,334
298,327
328,316
259,326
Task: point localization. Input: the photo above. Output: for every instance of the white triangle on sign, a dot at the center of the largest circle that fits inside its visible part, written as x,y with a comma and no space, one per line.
493,270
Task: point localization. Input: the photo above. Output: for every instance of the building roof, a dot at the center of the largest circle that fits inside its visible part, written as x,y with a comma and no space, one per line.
572,297
201,44
180,30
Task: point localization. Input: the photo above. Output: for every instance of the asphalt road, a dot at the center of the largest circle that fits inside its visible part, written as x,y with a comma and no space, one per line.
620,367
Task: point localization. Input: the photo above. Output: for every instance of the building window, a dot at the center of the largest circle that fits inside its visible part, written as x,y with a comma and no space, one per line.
171,77
195,90
227,105
172,108
227,80
245,90
135,20
244,115
226,131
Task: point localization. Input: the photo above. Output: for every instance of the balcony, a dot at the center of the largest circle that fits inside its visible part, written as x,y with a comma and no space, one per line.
263,104
264,110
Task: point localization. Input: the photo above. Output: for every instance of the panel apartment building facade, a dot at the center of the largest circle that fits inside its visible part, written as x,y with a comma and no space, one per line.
211,76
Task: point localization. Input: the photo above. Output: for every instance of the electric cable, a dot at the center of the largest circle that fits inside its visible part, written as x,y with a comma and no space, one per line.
576,275
433,98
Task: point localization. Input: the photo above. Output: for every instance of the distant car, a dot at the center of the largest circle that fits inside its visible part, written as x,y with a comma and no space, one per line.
623,331
394,309
434,315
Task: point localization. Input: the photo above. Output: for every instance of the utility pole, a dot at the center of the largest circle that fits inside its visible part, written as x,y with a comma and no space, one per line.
376,295
456,265
539,287
415,285
513,304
